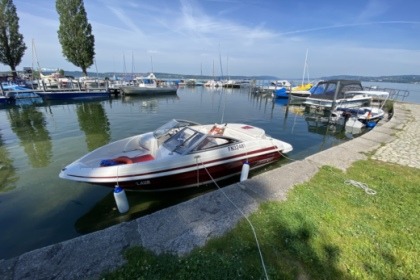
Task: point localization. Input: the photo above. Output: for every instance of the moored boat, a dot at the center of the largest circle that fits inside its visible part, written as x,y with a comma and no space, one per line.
14,94
280,88
179,154
365,115
342,93
74,94
148,86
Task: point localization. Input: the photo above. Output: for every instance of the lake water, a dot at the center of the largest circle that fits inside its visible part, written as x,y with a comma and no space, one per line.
38,209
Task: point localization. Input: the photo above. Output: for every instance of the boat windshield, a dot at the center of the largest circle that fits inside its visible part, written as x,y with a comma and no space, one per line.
171,127
184,140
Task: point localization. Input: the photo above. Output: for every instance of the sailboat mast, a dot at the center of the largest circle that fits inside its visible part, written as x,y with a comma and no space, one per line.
304,68
35,55
132,64
151,62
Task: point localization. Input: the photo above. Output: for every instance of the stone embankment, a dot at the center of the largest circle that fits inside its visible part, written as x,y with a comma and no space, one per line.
182,227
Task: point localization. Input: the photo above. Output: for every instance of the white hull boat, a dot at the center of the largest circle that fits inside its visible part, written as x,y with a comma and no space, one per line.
338,93
363,114
179,154
149,86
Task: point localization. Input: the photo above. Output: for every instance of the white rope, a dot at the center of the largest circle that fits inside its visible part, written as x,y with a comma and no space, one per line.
281,154
286,157
249,222
363,186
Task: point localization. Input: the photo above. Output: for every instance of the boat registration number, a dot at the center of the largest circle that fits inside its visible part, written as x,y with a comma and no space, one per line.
142,183
236,147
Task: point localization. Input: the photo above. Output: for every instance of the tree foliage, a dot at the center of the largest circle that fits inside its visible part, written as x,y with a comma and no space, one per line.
75,33
12,46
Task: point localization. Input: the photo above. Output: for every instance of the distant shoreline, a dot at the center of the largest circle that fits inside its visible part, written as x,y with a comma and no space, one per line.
406,79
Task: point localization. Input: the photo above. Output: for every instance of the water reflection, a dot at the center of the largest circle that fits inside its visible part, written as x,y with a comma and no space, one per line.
105,213
8,176
321,125
149,104
30,127
57,136
94,123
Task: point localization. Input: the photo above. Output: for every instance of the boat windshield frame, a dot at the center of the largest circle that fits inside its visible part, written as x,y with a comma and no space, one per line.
172,127
184,141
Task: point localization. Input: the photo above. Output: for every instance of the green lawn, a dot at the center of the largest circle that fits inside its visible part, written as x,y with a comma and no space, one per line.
326,229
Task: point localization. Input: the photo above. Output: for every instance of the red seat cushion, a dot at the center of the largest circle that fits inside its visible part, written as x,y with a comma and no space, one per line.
143,158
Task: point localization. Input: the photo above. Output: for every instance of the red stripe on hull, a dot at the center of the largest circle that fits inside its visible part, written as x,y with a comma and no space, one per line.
196,177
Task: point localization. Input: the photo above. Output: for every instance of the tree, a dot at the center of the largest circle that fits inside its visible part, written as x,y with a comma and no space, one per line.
12,47
75,33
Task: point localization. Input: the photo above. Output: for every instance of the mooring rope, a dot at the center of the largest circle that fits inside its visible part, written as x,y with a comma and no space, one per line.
286,157
283,155
363,186
243,214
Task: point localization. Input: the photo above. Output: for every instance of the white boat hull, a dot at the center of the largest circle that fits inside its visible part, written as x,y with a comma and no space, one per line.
142,163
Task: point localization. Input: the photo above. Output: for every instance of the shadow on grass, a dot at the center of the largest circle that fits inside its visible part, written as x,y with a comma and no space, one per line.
296,245
325,230
290,251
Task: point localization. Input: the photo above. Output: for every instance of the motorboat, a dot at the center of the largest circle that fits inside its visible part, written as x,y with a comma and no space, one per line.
299,93
179,154
343,93
14,94
363,114
280,88
148,86
299,96
277,89
368,116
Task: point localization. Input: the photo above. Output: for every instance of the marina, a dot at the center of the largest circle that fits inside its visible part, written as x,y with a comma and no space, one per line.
38,208
209,154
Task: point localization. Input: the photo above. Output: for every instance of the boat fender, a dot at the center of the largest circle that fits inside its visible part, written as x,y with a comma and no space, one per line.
245,171
121,199
370,124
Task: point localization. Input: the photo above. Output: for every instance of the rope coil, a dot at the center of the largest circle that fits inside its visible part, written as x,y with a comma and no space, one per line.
363,186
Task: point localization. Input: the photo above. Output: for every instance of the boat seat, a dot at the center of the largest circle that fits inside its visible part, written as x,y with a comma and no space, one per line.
126,160
142,158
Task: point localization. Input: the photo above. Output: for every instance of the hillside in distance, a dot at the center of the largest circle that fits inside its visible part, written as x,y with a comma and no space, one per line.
412,79
169,76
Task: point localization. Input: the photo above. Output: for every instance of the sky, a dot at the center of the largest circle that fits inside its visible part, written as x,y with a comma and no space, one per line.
235,37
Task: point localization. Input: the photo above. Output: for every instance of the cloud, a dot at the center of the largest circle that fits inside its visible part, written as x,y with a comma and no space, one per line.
373,10
122,16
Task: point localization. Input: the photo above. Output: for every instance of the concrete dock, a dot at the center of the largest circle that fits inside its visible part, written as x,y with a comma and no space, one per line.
182,227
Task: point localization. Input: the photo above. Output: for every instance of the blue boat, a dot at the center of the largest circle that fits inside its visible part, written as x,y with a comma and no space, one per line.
4,101
281,93
17,95
281,88
74,95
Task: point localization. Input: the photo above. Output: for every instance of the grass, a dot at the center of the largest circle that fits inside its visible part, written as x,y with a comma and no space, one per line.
324,230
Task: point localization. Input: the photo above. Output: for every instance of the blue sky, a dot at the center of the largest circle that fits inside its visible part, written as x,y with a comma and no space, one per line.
240,37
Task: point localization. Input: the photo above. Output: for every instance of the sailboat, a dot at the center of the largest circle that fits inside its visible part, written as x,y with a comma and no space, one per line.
213,83
301,92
